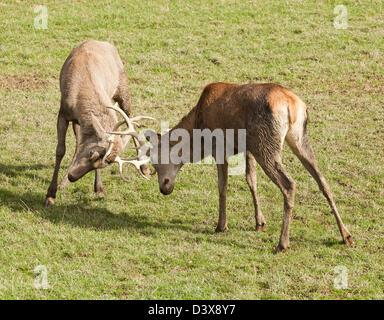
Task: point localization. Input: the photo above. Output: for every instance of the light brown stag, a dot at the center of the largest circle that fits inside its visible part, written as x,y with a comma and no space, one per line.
91,77
271,114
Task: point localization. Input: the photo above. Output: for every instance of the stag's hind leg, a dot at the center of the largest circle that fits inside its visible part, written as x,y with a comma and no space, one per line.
298,141
252,183
62,126
275,170
266,148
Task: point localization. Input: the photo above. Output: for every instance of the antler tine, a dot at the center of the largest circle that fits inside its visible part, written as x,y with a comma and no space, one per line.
134,134
139,125
138,118
110,146
121,122
130,131
118,124
126,118
111,142
130,121
135,162
124,133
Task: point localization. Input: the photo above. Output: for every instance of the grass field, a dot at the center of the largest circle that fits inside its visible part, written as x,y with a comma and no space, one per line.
137,244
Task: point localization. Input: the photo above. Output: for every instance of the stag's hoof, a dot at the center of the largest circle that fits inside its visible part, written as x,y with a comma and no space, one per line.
221,229
260,227
281,248
349,241
49,201
100,194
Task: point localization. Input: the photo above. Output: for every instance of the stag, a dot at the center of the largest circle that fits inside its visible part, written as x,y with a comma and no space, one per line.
270,114
91,77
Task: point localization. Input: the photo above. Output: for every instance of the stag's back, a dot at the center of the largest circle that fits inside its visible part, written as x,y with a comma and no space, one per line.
90,76
226,105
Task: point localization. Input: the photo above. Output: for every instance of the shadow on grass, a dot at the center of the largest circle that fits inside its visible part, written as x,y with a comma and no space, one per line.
91,213
331,243
79,215
99,218
13,171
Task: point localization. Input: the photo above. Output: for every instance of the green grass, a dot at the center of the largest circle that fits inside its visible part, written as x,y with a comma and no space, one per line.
136,243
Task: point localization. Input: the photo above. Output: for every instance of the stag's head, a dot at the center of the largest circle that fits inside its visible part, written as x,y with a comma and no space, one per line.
89,157
162,160
100,148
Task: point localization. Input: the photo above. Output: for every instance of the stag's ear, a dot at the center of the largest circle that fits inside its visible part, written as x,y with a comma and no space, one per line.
100,132
152,136
93,155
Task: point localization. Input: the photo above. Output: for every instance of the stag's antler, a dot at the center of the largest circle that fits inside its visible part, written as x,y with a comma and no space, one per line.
137,163
141,158
129,121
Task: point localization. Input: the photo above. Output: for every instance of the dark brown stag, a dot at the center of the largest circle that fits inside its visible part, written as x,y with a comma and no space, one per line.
91,77
270,114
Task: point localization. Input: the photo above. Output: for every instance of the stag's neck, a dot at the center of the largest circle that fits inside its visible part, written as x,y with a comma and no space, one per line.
189,122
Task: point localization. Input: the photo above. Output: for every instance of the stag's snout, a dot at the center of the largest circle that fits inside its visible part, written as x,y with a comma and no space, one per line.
72,178
79,169
166,187
76,175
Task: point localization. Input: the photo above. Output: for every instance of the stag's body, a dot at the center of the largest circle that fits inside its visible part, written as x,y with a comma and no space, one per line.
91,77
271,114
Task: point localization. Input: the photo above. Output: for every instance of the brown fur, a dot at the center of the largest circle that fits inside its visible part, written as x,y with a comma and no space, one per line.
271,114
279,97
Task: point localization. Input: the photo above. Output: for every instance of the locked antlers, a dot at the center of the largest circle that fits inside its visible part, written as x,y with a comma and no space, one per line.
141,158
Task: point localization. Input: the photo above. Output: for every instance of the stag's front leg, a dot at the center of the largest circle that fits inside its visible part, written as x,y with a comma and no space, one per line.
98,185
62,126
222,170
76,130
